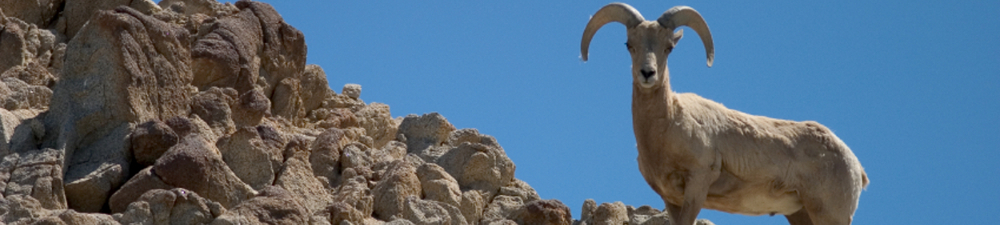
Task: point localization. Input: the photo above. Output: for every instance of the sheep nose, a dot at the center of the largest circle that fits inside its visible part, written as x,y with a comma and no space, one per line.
647,73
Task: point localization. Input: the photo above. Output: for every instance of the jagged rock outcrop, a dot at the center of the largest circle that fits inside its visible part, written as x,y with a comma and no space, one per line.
201,112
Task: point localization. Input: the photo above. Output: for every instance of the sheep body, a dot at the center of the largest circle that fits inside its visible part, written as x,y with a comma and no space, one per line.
764,161
696,153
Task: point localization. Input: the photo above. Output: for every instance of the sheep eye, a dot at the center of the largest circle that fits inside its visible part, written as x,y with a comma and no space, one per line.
627,45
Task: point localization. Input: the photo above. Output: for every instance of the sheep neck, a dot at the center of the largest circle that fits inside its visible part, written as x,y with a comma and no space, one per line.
651,109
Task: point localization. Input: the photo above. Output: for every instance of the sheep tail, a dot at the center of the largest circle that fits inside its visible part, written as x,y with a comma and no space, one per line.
864,180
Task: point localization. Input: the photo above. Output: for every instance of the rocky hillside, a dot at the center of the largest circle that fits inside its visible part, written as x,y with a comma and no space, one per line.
198,112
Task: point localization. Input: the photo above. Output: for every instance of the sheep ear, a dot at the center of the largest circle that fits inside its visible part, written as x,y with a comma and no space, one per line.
678,35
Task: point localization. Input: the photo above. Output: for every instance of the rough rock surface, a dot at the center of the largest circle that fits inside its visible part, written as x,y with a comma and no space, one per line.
201,112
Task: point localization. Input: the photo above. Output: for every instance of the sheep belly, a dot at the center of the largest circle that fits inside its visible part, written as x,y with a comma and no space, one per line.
753,202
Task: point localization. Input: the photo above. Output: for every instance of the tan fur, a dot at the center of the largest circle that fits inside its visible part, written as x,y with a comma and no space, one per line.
696,153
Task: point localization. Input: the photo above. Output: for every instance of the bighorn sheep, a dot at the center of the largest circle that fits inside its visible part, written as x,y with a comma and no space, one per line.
696,153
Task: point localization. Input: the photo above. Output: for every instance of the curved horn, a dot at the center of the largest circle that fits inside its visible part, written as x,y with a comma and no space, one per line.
687,16
614,12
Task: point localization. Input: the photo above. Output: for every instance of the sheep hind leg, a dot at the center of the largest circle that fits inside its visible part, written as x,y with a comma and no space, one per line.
799,218
674,212
826,209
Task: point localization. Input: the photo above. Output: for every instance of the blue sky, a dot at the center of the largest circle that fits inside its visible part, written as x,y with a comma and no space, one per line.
913,87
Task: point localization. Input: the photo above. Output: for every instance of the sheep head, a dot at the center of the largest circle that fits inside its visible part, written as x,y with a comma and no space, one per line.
649,42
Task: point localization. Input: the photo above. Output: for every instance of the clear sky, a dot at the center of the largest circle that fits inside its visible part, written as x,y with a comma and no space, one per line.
913,87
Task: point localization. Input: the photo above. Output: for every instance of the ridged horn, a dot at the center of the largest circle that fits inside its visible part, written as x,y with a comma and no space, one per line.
687,16
614,12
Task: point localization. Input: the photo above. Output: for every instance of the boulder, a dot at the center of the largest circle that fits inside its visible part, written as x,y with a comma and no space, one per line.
378,124
273,206
250,108
502,208
610,214
342,212
191,7
35,173
438,185
35,12
175,206
543,212
246,155
213,107
288,99
521,189
423,132
18,94
428,212
150,140
641,214
314,86
283,47
298,179
472,206
196,165
226,56
70,216
326,153
399,182
20,131
78,12
132,190
481,164
355,193
21,209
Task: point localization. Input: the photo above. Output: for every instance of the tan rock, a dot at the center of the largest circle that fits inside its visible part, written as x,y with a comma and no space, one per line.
250,108
273,206
378,123
428,212
136,186
610,214
36,173
175,206
438,185
246,155
472,206
19,131
284,48
325,157
400,180
422,132
543,212
150,140
227,55
207,7
315,87
21,209
34,12
502,208
298,179
194,164
355,192
214,107
352,90
479,166
521,189
341,212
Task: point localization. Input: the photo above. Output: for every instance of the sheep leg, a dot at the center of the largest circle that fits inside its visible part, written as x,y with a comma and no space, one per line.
695,193
675,211
799,218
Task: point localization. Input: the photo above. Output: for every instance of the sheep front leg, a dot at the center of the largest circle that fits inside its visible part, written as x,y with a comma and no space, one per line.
695,192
